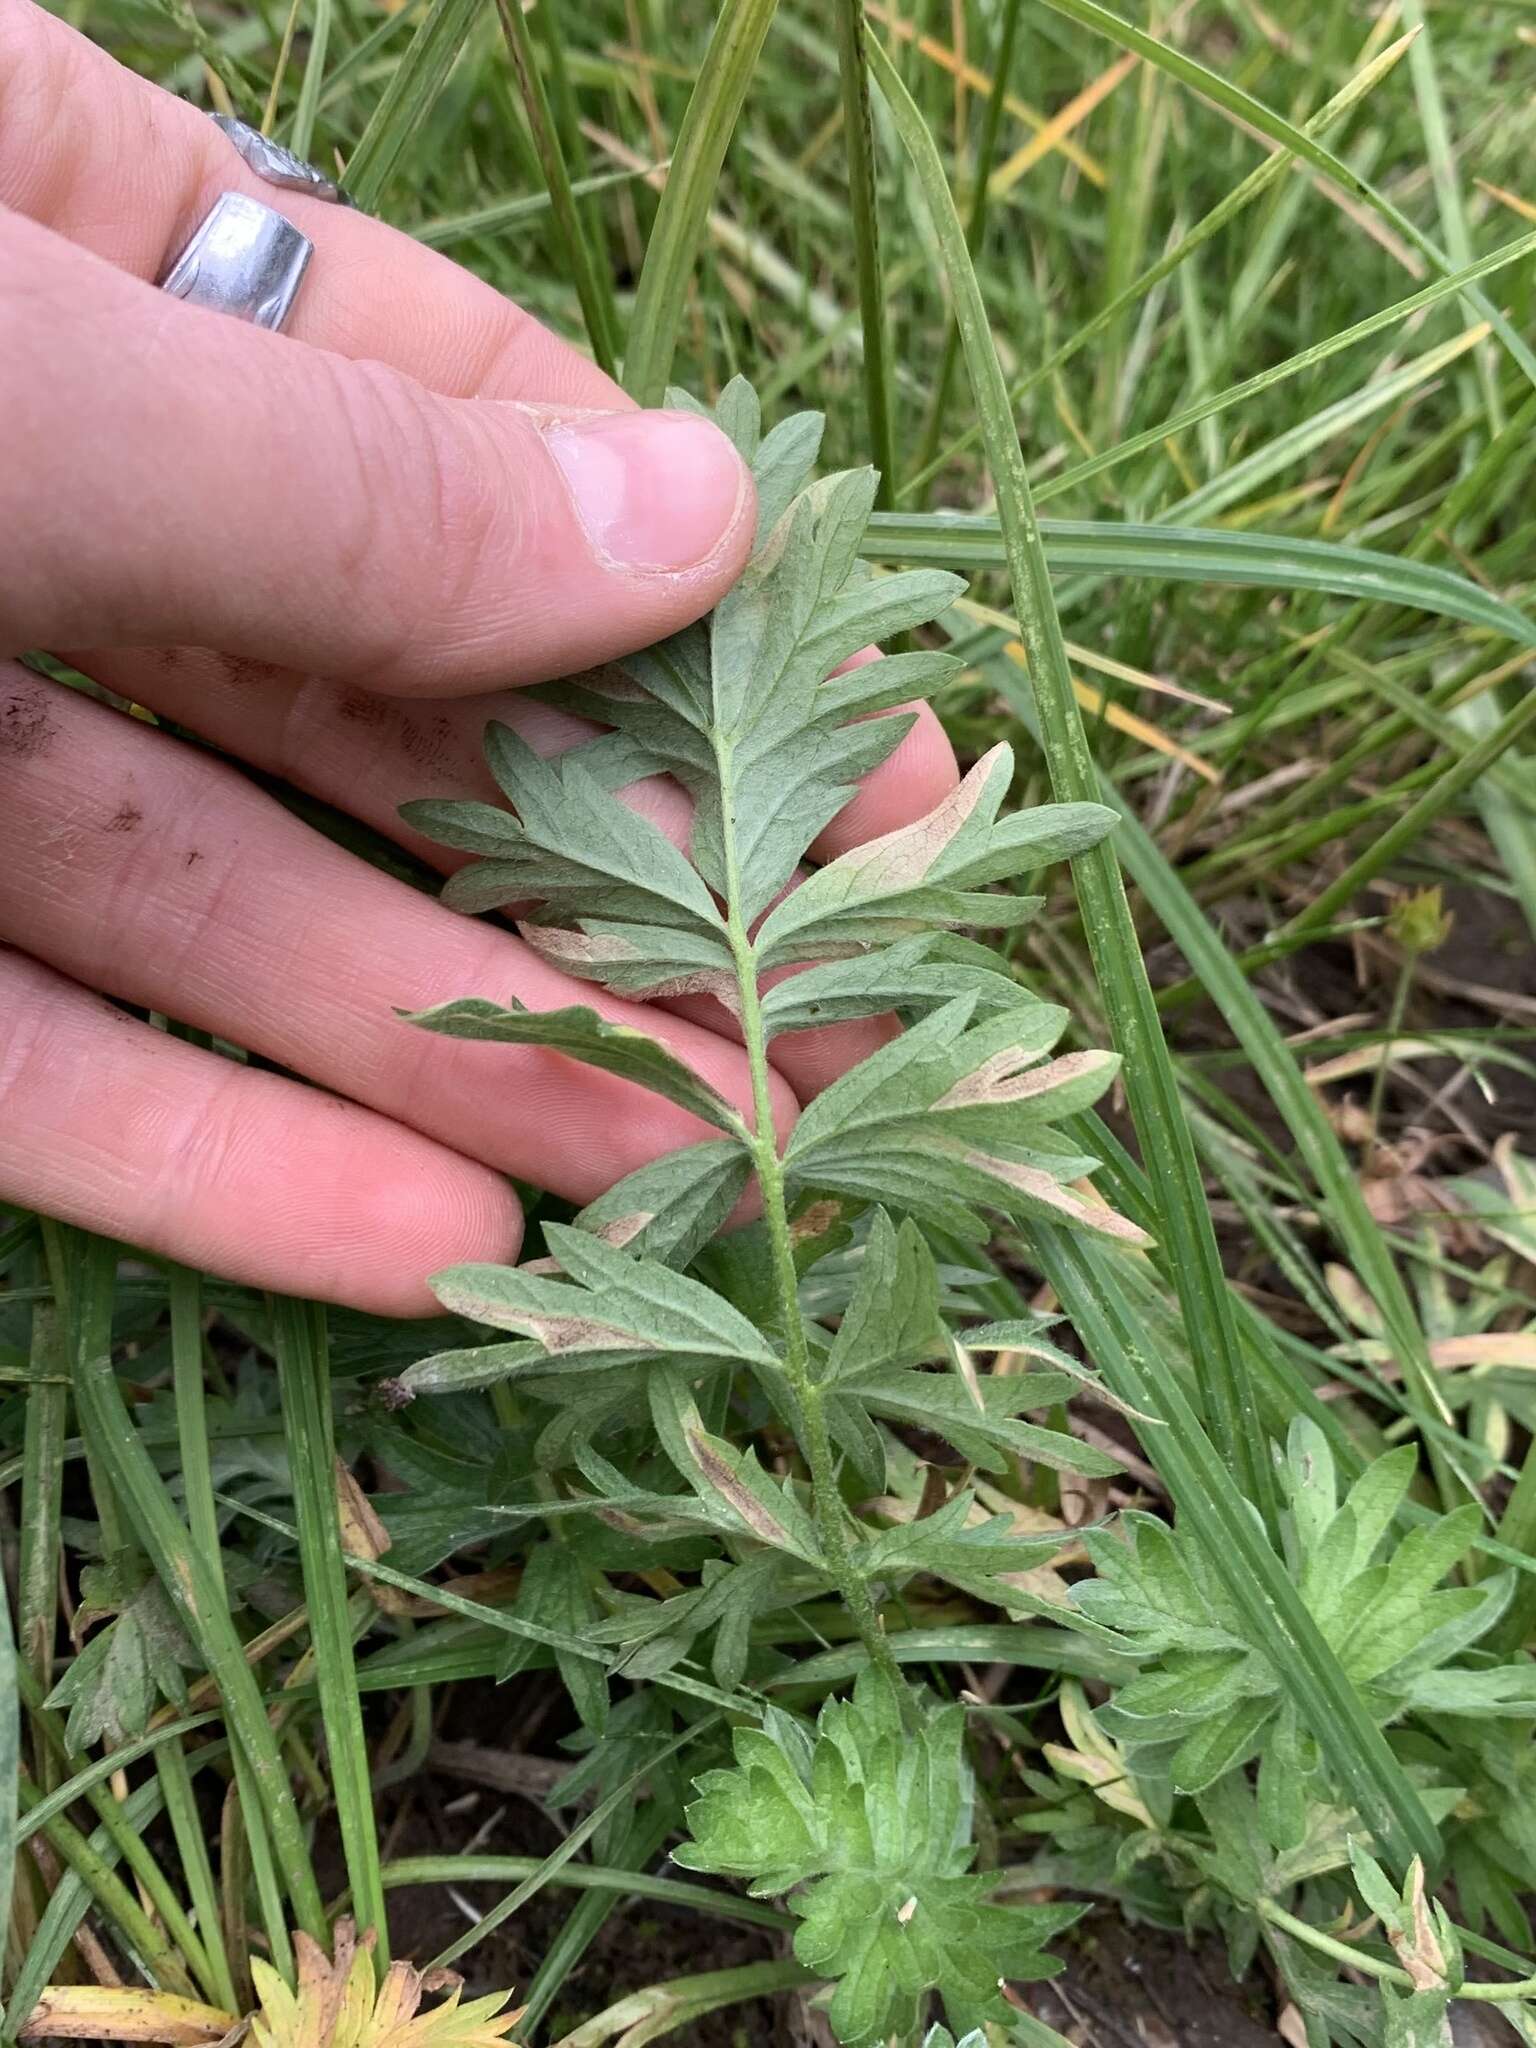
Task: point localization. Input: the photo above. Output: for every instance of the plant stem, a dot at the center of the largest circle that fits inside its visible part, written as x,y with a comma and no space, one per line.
816,1442
1371,1966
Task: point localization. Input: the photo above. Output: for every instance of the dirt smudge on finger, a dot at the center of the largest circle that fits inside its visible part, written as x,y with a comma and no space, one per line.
27,724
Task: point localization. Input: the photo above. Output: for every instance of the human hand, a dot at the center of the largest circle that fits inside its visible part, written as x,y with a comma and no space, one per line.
414,492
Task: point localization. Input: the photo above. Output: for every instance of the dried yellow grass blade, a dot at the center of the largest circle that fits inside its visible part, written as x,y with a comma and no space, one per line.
977,79
1139,729
1061,125
111,2012
1524,207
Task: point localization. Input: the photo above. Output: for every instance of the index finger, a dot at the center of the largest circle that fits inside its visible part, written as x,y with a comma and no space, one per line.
127,170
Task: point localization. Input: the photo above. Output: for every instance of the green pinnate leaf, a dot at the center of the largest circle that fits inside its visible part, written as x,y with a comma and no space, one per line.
585,851
915,974
125,1669
638,960
607,1309
896,679
951,1116
782,463
981,1554
557,1593
671,1208
893,1318
957,848
583,1035
1222,1741
867,1826
980,1417
1208,1683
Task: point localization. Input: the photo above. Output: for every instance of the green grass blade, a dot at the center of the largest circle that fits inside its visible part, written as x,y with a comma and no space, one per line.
1087,1283
84,1859
1442,168
929,460
1232,99
1184,1223
185,1294
1517,1529
76,1787
154,1885
301,133
1378,394
1274,1065
83,1268
681,218
571,235
1220,216
1199,555
595,1877
414,84
507,213
67,1906
1506,817
645,1832
621,1796
859,142
1404,830
197,1870
37,1576
299,1344
10,1755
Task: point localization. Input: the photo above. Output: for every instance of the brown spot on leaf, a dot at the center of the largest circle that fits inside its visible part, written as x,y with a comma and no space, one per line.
997,1080
816,1221
1050,1194
722,1477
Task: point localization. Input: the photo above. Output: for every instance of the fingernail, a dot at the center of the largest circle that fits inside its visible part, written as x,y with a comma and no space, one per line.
655,490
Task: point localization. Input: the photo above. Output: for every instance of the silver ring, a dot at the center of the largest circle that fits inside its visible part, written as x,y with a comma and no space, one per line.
277,165
244,260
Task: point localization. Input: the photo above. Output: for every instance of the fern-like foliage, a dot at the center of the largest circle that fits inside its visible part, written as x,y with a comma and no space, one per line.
955,1117
832,1314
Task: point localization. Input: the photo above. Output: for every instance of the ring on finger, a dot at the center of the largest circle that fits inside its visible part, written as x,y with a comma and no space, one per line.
246,259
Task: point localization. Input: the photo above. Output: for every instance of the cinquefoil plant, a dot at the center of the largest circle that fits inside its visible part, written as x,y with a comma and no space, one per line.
952,1119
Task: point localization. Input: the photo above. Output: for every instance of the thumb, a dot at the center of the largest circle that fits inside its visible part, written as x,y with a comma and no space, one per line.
179,477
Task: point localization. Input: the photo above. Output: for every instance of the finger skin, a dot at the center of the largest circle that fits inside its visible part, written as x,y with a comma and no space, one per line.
133,864
367,755
281,503
127,170
119,1128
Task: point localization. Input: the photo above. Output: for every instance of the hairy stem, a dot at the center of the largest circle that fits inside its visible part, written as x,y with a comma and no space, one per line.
815,1441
